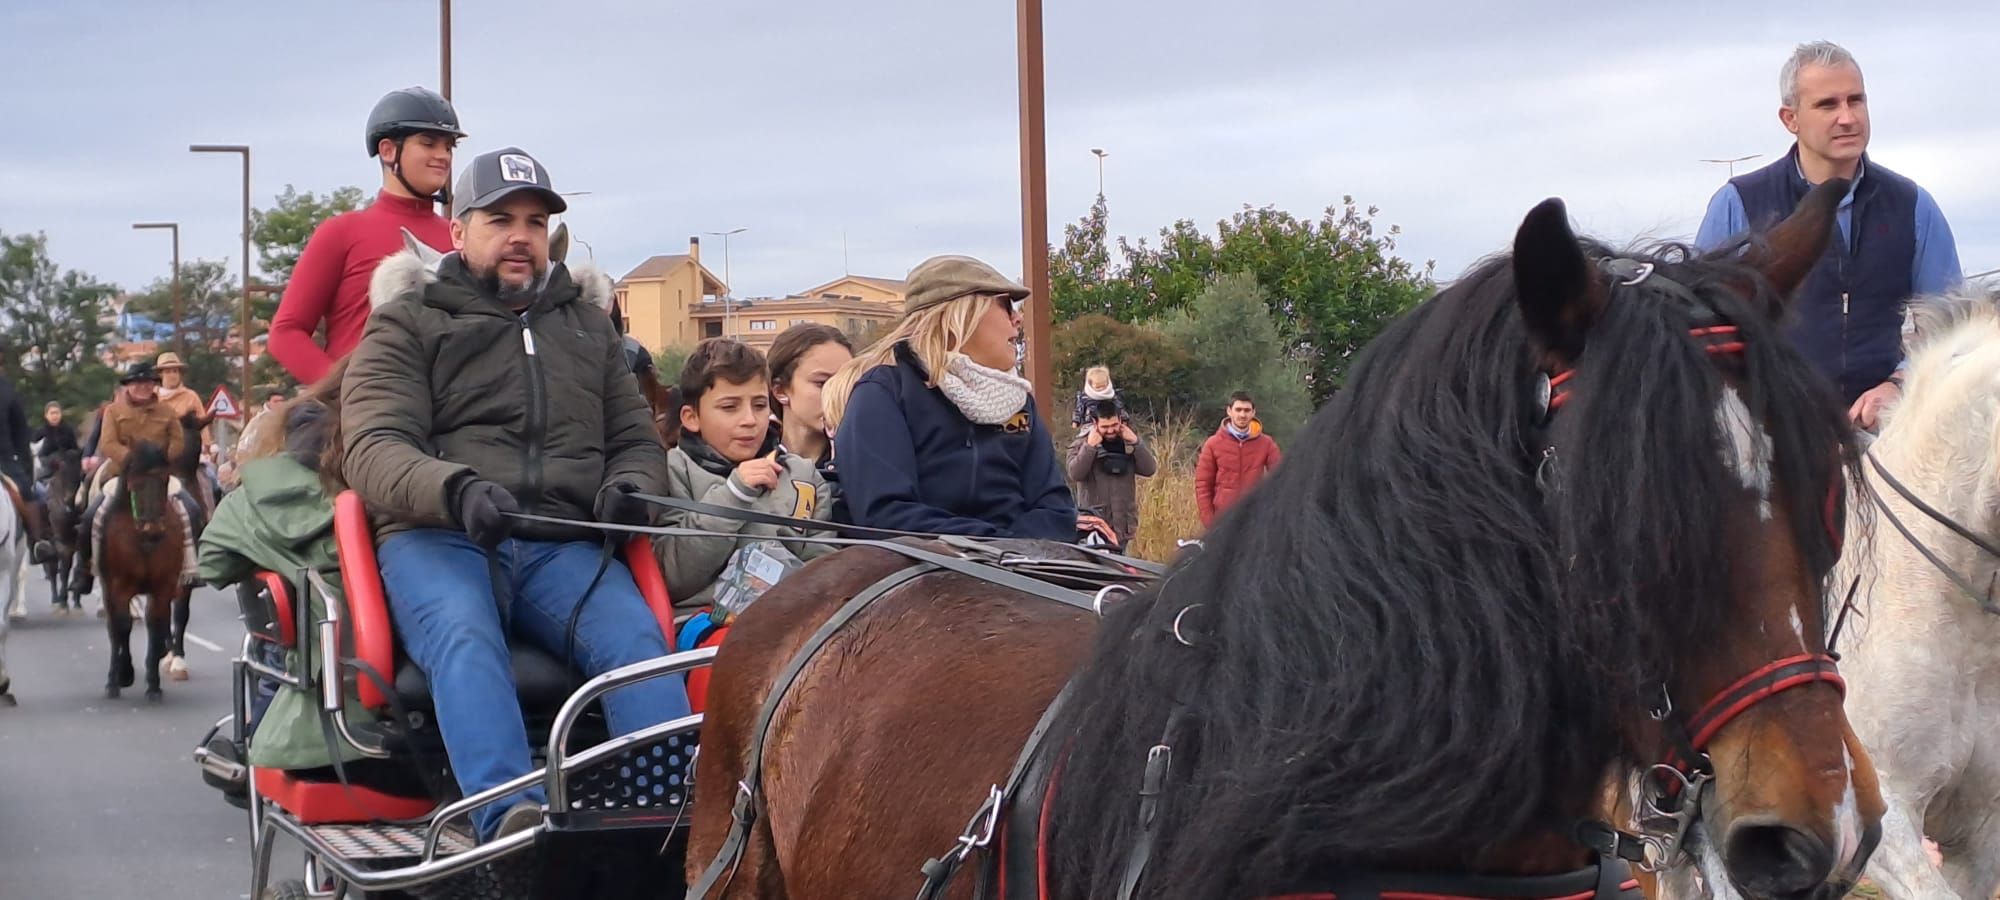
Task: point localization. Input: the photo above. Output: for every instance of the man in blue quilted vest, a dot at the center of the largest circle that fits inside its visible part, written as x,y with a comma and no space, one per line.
1894,243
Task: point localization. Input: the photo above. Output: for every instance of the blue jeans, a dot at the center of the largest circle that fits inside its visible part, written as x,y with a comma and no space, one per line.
441,595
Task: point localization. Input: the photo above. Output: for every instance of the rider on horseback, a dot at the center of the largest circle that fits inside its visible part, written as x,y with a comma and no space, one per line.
494,385
15,468
136,416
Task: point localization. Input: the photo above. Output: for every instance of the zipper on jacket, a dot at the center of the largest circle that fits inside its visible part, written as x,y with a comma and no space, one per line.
538,415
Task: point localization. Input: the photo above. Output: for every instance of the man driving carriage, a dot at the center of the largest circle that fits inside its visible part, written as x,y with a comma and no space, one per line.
137,416
496,385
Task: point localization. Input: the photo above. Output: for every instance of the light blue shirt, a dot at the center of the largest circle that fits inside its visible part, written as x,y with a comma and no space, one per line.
1934,270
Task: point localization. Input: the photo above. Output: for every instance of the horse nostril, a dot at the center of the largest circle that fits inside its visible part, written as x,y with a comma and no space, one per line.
1766,856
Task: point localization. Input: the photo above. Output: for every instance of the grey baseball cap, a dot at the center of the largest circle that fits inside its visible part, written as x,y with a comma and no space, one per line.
495,175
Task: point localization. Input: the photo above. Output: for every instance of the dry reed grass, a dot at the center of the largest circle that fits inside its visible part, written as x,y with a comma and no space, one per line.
1167,510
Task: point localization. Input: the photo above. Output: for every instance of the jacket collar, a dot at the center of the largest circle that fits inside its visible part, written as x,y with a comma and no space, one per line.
713,462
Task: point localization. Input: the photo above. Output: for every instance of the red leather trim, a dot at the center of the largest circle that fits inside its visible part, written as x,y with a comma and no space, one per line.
652,583
697,680
367,607
281,604
328,803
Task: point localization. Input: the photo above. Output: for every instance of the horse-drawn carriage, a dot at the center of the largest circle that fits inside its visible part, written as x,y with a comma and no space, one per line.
390,824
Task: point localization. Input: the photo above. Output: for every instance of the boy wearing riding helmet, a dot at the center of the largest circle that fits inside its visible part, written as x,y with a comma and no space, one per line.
938,434
413,132
729,456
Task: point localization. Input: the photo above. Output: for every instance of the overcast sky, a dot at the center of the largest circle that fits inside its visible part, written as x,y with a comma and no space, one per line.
893,123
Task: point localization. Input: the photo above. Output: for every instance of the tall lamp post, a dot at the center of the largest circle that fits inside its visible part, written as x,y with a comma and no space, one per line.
1100,154
243,322
1034,200
728,324
1731,163
444,48
180,315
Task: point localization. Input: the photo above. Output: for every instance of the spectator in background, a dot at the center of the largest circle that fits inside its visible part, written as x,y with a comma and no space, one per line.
1106,462
1096,387
1233,459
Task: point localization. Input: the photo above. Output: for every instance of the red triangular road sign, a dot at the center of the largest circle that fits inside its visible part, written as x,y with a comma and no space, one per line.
223,406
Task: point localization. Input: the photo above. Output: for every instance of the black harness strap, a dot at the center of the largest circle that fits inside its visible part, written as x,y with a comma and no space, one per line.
1985,600
981,571
814,525
939,872
1153,783
744,814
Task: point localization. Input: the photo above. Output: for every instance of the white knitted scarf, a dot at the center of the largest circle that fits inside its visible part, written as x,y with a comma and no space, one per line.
986,396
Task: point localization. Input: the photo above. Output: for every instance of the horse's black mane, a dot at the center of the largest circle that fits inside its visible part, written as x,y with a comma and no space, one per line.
145,458
1406,652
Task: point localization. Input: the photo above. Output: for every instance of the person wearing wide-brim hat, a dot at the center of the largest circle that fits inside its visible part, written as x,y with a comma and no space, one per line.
137,416
934,430
186,401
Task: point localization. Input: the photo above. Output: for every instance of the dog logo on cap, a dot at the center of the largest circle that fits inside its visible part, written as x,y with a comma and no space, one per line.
516,167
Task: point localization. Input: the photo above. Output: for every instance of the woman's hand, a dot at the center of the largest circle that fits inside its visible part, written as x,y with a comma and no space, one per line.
1086,522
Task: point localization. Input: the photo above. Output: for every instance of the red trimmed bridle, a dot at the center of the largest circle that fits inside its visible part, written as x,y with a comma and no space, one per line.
1672,799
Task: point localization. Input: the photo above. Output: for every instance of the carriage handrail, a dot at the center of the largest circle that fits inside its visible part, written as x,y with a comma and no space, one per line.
559,794
333,688
572,709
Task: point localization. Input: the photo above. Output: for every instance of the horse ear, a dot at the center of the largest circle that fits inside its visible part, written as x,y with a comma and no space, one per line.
1552,281
421,250
1788,252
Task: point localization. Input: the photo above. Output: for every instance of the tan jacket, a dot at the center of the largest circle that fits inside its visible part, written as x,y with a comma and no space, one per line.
125,425
184,400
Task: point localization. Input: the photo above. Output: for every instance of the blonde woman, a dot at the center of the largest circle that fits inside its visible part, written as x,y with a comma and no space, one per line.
935,432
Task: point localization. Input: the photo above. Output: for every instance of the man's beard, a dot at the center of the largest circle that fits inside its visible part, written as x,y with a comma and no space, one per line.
511,295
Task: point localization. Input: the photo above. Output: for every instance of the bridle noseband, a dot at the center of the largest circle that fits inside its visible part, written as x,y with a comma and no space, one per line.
1671,802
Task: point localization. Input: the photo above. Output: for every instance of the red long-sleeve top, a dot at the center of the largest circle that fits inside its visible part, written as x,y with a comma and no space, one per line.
330,283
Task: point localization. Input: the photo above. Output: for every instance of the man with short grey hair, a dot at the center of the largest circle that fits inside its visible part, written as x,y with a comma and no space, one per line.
1895,241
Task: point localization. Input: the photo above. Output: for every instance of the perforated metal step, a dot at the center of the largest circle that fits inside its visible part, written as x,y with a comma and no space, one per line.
388,842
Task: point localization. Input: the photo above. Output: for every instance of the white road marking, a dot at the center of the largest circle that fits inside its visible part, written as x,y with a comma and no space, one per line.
203,643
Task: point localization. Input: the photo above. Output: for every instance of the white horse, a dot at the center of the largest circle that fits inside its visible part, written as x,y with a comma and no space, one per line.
13,584
1923,660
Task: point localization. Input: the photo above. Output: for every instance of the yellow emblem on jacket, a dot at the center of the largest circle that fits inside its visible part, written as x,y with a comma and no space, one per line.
808,501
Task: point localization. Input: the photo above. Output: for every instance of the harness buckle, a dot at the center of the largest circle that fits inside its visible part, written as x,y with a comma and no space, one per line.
985,823
1104,593
1662,831
744,812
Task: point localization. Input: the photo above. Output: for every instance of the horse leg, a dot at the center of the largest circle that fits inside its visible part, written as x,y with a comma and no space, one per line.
157,628
177,667
118,624
1901,867
1962,822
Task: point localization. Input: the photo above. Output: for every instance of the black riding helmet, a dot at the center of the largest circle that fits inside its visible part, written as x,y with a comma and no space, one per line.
408,111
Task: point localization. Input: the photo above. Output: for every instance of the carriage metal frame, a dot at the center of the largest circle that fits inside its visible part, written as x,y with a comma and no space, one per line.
336,854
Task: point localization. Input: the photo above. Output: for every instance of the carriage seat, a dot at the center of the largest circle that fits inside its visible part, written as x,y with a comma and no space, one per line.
541,679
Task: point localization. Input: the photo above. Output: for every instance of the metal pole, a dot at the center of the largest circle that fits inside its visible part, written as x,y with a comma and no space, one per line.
1035,202
243,324
1100,154
444,48
180,315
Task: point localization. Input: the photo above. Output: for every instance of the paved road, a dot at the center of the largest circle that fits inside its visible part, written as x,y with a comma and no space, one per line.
100,798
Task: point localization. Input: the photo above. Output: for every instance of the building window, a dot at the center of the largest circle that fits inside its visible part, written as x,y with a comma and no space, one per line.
711,329
797,322
763,324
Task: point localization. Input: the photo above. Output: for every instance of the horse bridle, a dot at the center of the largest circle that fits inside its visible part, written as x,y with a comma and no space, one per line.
1985,599
1671,802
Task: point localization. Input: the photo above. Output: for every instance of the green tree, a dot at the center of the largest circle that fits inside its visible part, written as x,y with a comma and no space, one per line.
280,232
669,362
1235,346
210,298
52,324
1153,373
1330,283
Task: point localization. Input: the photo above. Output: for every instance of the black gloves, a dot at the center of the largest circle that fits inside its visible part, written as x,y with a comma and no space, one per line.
617,505
482,509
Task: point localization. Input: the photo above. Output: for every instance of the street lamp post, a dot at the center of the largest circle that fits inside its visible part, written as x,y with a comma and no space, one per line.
243,324
1731,163
180,315
728,323
1099,151
1034,199
444,48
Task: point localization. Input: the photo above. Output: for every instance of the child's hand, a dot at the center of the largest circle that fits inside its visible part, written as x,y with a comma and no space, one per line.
760,473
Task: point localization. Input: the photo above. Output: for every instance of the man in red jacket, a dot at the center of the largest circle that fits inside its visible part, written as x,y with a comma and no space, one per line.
413,132
1232,459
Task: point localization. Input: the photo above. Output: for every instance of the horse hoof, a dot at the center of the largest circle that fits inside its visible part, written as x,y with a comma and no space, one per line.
125,675
154,694
111,691
8,700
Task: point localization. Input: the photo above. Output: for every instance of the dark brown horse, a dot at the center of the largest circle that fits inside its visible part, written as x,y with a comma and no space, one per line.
141,554
64,515
1415,654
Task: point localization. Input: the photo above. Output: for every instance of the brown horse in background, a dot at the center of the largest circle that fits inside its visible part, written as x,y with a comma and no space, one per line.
142,552
64,518
1559,509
